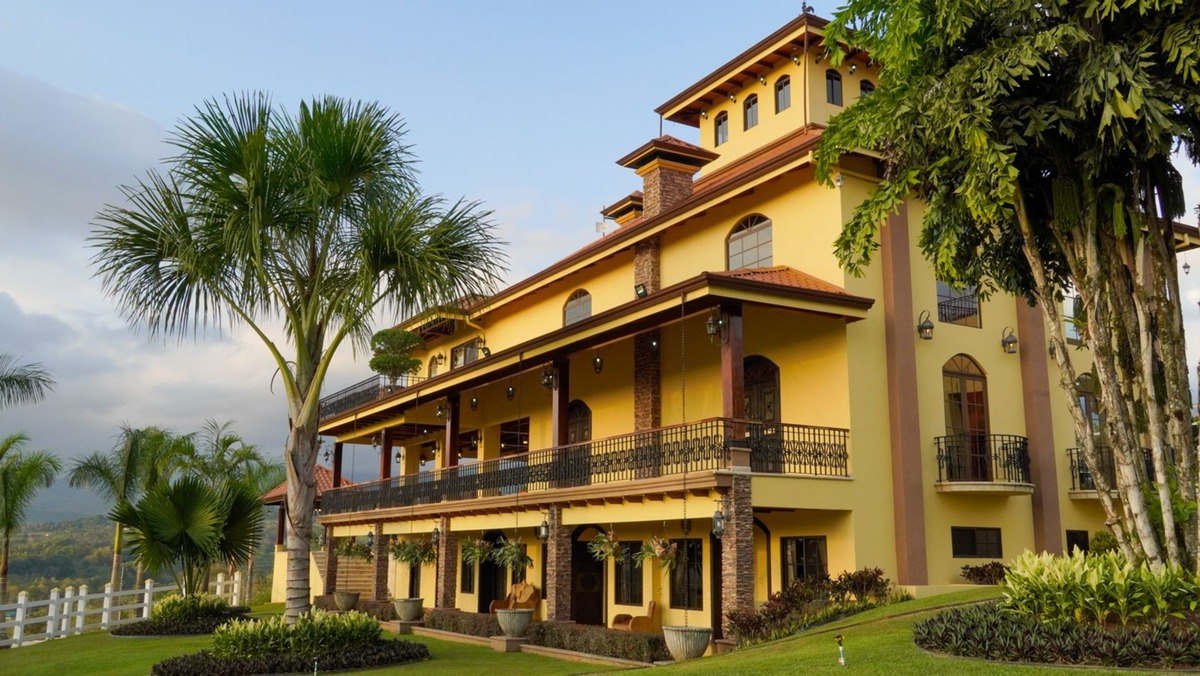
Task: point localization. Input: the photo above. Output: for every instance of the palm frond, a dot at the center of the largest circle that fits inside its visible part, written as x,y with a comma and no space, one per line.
22,383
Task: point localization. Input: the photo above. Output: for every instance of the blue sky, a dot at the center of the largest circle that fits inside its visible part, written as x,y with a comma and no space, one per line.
525,106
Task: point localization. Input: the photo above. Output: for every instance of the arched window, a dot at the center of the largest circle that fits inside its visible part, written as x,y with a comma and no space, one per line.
750,110
579,422
721,128
433,366
578,307
965,450
865,87
783,94
833,87
750,243
761,389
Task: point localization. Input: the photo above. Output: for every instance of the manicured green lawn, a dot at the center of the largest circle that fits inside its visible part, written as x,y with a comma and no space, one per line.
878,641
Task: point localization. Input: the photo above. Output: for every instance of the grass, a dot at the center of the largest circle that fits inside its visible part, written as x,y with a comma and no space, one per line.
878,641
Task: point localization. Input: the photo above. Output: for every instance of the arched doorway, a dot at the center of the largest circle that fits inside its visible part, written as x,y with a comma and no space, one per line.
572,465
761,385
964,386
492,579
587,578
579,422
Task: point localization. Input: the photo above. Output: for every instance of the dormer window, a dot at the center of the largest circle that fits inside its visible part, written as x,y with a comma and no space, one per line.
783,94
833,87
865,87
750,243
578,307
721,128
750,108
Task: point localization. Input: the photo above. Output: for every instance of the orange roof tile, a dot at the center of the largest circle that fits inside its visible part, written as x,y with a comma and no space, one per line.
782,275
322,474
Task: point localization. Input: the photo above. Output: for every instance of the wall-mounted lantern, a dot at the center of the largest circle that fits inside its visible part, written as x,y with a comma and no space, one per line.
925,326
1008,340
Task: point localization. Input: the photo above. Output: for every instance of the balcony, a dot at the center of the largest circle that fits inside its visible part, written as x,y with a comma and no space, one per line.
983,463
651,456
1083,482
364,392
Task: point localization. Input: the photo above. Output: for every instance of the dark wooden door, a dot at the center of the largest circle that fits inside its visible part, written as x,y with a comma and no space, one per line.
492,580
573,465
587,586
965,389
414,582
761,377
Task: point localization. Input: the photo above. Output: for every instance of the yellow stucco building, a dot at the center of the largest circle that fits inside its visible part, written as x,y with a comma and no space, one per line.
709,361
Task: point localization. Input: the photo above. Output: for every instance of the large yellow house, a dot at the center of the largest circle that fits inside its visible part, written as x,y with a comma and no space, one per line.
707,374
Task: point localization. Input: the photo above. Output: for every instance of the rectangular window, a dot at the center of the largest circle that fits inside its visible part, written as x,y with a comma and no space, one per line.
628,575
803,558
975,543
466,576
464,354
1071,326
958,305
1077,539
514,436
687,583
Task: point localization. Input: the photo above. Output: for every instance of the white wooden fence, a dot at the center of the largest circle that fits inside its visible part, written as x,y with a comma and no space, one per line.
74,611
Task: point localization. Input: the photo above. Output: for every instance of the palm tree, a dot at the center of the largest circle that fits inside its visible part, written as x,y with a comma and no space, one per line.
185,526
117,477
259,480
314,218
222,454
21,383
21,475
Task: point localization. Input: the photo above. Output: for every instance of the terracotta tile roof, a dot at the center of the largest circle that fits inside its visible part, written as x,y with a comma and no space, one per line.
324,477
782,275
674,148
732,172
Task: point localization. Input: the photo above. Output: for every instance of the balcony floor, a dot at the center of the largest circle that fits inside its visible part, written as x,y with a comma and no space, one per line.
985,487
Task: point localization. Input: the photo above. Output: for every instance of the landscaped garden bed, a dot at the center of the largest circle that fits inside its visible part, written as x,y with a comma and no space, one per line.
184,615
1093,610
316,642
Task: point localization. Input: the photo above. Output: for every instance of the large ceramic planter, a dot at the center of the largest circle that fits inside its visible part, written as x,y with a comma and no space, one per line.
408,610
345,600
686,643
514,620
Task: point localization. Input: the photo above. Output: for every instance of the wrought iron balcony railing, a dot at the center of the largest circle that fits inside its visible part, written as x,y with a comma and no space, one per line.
983,458
959,310
364,392
693,447
1082,478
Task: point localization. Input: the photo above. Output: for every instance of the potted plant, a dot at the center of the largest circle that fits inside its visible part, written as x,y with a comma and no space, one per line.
412,553
345,601
474,551
511,554
662,550
392,350
514,620
686,643
605,545
351,548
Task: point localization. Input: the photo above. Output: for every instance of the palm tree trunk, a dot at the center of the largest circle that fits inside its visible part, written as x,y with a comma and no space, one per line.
300,458
4,569
139,576
115,577
248,587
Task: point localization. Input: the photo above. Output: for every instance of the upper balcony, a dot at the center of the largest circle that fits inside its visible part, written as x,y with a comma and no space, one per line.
983,463
364,392
1083,481
614,467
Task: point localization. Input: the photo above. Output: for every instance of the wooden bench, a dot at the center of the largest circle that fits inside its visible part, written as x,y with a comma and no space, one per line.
646,623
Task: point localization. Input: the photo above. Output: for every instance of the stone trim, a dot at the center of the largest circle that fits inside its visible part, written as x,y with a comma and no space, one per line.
447,566
331,562
381,558
558,568
737,550
647,381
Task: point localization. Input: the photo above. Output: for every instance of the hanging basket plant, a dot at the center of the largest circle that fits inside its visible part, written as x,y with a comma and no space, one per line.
475,551
511,554
662,550
605,545
351,548
413,552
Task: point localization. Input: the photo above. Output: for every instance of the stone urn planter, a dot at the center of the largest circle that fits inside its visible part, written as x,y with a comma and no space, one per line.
686,643
408,610
345,600
514,620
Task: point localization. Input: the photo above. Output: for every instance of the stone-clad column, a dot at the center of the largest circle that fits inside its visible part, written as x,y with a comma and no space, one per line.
331,562
447,565
737,550
647,381
379,553
558,568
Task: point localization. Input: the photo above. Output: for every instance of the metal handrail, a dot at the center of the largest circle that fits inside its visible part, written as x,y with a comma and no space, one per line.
364,392
983,457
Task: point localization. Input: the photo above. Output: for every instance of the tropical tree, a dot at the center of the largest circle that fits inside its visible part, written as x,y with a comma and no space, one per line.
392,351
22,383
315,219
117,477
259,480
217,453
21,475
1039,134
185,526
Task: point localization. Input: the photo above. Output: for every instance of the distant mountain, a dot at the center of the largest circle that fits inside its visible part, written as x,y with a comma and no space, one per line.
60,502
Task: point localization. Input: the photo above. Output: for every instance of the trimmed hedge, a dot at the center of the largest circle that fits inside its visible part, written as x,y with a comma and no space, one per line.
986,631
312,635
459,622
625,645
383,653
184,615
383,611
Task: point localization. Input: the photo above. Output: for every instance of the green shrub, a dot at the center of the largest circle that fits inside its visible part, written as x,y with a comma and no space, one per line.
992,572
314,634
1103,542
382,653
184,615
1097,589
471,624
625,645
808,602
982,632
861,585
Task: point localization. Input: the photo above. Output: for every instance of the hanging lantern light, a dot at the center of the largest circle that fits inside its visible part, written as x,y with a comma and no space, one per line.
474,403
549,378
1008,340
543,530
399,456
713,326
371,539
597,363
435,536
718,524
510,392
1187,268
439,411
925,326
685,526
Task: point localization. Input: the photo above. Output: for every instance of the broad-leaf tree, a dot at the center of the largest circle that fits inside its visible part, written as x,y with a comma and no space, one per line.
1040,134
22,473
22,383
314,220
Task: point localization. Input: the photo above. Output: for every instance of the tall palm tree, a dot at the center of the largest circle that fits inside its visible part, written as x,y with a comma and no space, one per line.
218,453
21,475
185,526
259,480
117,477
314,218
22,383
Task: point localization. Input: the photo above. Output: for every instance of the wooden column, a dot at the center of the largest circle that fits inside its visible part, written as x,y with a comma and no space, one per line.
385,455
733,379
450,445
560,401
337,464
